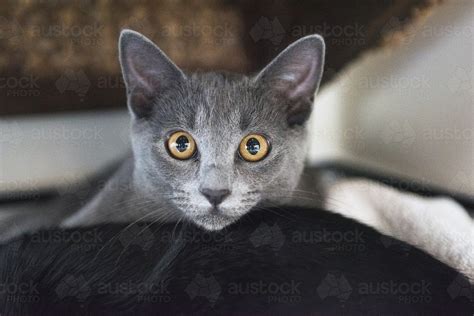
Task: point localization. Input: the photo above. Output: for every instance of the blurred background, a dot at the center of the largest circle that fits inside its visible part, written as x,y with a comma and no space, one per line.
397,94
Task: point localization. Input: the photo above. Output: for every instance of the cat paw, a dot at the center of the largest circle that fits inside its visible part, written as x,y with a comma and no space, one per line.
354,198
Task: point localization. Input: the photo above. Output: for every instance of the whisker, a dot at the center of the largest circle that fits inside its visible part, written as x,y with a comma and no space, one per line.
120,233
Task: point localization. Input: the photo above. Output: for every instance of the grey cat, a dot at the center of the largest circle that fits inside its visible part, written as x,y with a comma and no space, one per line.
208,147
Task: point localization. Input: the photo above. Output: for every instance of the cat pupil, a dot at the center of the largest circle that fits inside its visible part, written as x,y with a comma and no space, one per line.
182,143
253,146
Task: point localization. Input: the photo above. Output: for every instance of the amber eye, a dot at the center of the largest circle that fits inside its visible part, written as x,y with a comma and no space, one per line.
181,145
254,147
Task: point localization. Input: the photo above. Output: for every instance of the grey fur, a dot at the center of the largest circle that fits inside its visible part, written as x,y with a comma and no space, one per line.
218,110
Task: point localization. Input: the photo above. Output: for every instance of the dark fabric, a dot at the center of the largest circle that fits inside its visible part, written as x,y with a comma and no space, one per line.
278,261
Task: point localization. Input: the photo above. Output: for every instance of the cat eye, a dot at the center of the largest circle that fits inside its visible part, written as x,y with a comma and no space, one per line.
254,147
181,145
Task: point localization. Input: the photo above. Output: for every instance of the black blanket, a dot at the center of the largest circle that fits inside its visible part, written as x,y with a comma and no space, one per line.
278,261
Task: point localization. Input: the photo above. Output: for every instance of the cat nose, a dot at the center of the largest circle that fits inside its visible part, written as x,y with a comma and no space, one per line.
215,197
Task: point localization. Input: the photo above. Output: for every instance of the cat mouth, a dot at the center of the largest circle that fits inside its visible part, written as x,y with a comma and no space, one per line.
214,220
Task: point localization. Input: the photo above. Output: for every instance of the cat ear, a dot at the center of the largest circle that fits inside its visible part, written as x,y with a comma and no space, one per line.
146,70
295,74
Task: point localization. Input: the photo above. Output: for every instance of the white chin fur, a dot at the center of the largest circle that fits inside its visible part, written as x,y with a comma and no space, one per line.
213,222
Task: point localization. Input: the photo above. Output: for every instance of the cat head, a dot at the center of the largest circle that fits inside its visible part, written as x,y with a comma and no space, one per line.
214,144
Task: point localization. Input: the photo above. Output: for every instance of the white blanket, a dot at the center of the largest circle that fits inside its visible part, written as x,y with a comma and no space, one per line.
439,226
